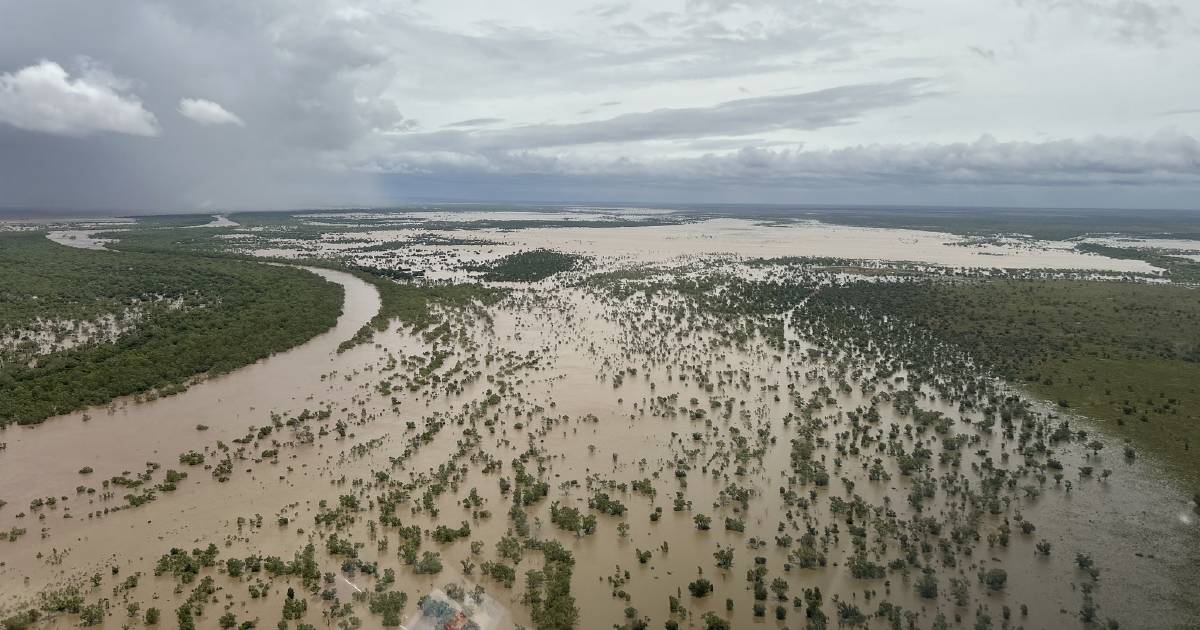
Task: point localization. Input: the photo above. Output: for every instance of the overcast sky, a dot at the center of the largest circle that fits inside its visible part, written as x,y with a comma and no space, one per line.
180,105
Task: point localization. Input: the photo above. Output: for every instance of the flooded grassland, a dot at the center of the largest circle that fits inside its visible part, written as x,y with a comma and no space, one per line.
617,445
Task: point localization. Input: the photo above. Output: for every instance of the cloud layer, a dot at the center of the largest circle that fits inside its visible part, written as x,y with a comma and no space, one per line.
1164,159
182,105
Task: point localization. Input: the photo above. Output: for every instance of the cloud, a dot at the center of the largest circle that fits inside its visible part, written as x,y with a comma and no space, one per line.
340,94
475,122
818,109
206,112
1165,158
1130,21
44,98
983,53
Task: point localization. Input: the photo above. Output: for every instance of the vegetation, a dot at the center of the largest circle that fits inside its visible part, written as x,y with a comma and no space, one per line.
415,305
1175,268
193,317
1044,223
528,266
1125,354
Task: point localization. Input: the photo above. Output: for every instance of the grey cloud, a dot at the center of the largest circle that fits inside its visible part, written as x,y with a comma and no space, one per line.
804,111
321,78
331,91
844,11
654,49
983,53
297,71
1131,21
475,122
610,10
1165,158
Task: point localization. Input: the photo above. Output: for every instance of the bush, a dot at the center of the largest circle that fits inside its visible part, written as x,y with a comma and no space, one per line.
927,584
92,615
429,563
995,579
700,588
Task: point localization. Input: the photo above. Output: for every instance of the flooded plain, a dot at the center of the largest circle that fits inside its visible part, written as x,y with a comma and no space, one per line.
724,237
704,451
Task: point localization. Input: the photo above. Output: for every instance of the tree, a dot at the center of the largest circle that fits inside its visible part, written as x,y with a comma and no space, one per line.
700,588
430,562
960,591
92,615
724,556
509,548
779,587
927,584
994,579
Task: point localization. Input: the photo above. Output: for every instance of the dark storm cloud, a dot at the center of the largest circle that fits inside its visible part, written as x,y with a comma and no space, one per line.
309,80
294,91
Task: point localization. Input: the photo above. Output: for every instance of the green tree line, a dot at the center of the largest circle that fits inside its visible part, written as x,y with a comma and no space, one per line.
233,313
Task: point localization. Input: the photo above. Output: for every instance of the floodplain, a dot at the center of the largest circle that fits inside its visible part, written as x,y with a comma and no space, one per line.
640,419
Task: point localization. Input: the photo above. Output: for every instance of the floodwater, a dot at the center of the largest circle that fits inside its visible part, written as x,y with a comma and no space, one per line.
754,239
123,435
466,214
83,239
219,221
563,357
1166,244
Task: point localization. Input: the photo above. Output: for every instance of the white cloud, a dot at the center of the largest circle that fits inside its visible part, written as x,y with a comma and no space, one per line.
44,97
207,112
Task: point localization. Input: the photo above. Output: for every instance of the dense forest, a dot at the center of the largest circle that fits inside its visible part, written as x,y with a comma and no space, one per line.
529,266
194,316
1126,354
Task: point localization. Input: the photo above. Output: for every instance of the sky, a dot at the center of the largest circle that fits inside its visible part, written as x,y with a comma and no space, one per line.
177,105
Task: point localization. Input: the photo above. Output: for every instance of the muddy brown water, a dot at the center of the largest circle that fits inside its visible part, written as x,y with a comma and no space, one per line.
1140,530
